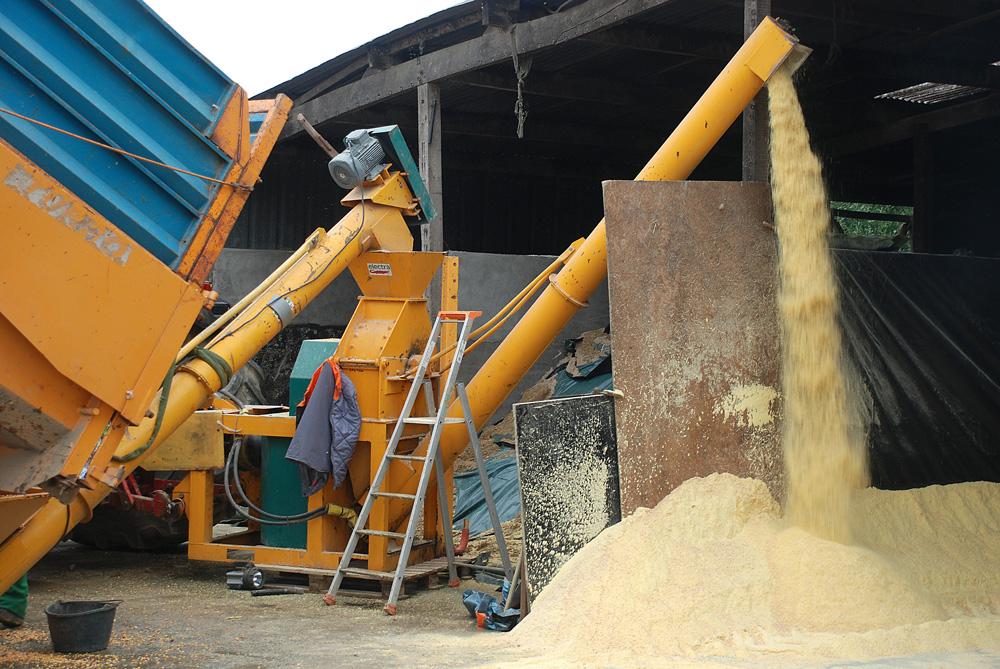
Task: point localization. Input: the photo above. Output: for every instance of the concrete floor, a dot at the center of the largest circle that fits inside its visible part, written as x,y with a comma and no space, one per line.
178,613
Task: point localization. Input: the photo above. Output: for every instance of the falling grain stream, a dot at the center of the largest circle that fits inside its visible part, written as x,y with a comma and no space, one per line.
717,574
821,466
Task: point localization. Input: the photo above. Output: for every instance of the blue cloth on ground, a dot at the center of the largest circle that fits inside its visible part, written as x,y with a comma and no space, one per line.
488,612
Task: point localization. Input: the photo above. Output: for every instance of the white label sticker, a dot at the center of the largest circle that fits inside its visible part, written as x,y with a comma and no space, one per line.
379,269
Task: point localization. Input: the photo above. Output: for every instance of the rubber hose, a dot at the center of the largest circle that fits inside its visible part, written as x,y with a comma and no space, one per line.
285,520
164,396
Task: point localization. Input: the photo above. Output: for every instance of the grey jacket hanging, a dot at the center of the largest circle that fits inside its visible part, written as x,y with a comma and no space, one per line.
328,427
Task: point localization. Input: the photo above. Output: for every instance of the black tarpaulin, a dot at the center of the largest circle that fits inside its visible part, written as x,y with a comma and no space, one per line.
924,333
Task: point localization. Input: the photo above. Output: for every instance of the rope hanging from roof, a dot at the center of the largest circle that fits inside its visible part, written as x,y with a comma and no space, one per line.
521,69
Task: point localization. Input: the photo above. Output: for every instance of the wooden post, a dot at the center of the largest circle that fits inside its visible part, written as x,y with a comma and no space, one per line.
923,167
756,161
429,133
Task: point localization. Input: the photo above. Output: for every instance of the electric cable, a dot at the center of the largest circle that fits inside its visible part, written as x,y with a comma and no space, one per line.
354,235
315,278
273,519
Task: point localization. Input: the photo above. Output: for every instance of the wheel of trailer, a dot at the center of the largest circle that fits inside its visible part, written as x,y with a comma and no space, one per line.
129,529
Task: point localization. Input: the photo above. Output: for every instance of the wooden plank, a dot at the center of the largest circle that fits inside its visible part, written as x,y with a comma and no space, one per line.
692,270
493,47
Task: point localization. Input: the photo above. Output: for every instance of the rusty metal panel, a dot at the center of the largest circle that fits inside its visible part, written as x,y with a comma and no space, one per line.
694,326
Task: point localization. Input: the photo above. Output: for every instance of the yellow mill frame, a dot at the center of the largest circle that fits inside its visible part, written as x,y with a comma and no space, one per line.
392,327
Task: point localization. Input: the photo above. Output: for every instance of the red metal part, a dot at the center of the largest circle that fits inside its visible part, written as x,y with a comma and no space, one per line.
160,503
463,543
143,491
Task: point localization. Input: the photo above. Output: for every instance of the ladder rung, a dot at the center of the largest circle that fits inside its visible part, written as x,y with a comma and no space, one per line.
430,420
458,315
381,533
394,495
413,458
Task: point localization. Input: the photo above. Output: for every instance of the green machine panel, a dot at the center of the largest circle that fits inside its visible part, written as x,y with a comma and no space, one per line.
280,486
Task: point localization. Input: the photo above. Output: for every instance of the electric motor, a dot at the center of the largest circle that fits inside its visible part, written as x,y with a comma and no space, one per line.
360,161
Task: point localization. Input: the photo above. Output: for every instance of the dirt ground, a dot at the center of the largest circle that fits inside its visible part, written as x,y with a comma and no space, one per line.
179,613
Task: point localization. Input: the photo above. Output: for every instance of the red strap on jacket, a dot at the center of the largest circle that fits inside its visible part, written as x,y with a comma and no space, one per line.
312,384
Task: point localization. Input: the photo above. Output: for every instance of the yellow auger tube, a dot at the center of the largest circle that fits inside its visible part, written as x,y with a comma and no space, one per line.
766,49
238,308
378,226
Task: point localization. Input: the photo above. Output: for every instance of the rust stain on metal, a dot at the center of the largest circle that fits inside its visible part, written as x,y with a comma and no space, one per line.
692,280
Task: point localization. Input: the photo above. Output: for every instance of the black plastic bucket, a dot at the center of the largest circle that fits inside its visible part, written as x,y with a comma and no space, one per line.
81,627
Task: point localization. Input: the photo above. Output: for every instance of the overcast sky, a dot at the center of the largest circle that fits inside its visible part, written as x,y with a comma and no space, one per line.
260,43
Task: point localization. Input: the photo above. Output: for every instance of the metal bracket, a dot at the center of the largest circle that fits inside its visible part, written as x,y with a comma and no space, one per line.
283,309
111,477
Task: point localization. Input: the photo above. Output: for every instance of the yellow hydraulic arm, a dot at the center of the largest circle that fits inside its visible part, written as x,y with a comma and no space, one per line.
763,53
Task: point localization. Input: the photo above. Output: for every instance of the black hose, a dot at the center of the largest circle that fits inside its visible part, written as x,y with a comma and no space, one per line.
164,396
218,364
231,464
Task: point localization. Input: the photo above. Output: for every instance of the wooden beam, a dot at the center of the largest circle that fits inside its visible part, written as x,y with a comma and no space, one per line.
570,87
942,119
421,37
663,39
877,15
493,47
342,73
429,133
388,52
379,58
430,129
500,13
539,130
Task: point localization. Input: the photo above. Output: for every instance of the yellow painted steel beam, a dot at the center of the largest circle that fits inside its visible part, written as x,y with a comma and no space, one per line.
367,226
764,51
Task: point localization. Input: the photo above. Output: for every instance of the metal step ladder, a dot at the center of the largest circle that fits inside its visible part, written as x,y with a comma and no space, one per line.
437,419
